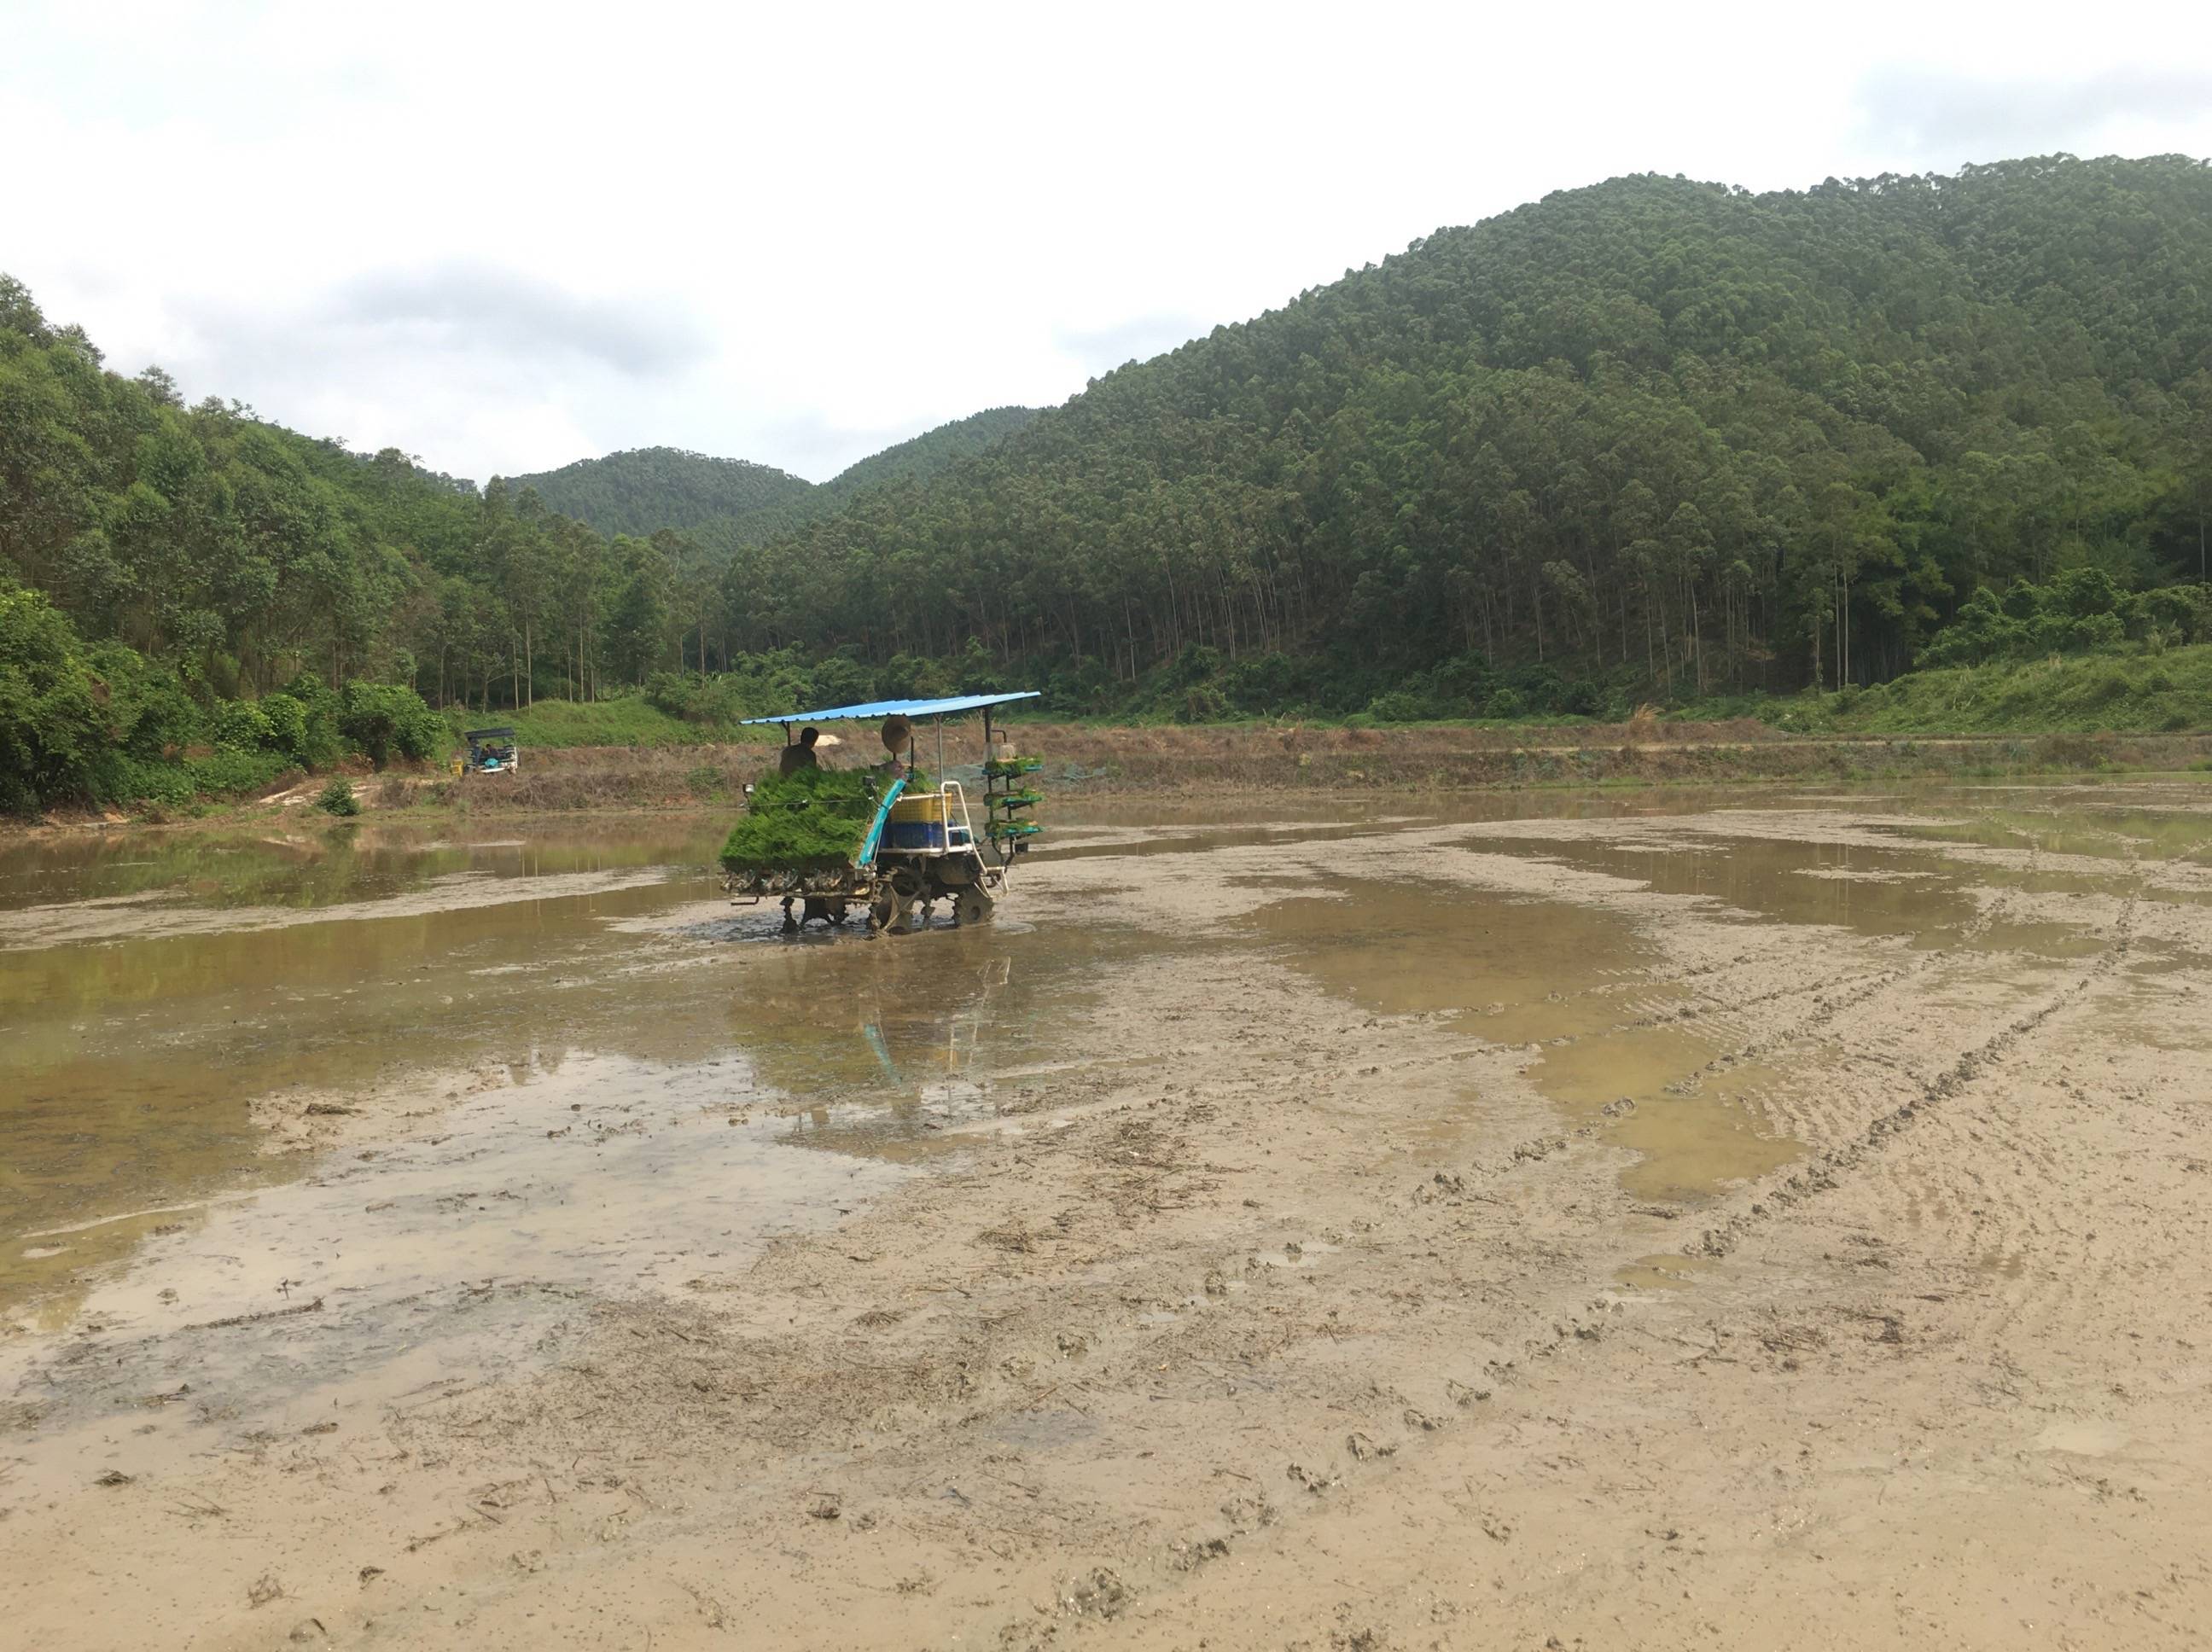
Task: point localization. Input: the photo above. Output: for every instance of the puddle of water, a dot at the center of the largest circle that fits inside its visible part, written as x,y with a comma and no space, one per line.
132,1065
1514,969
296,867
590,1171
1665,1270
2078,826
1867,891
1694,1133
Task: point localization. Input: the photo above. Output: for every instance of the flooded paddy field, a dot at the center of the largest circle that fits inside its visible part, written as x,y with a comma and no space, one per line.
1621,1218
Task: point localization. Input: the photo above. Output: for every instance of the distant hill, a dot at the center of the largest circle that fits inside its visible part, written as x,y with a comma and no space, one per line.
933,451
649,488
1653,436
729,502
1652,439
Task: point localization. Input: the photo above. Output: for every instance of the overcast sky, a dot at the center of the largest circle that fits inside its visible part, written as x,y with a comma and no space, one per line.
503,238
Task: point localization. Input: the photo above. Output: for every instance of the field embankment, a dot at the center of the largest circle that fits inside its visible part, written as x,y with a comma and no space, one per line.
1444,756
1172,759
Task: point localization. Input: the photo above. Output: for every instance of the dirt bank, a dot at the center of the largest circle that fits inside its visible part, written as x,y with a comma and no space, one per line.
1156,760
1736,1228
1202,760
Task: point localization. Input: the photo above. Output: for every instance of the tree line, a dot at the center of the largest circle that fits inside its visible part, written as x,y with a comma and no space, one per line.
1648,440
1660,436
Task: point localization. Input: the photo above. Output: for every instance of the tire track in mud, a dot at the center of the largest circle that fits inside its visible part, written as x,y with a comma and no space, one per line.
1398,1434
1827,1009
1570,1332
1856,991
1829,1005
1714,1242
1954,1077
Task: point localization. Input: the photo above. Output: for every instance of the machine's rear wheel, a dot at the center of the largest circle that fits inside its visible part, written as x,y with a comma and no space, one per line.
882,906
971,905
892,907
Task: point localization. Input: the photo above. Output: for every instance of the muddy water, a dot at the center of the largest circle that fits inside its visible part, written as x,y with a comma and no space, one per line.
447,1086
468,994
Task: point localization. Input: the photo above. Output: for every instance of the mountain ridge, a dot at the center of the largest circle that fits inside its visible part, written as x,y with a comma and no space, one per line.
1653,439
729,502
1652,429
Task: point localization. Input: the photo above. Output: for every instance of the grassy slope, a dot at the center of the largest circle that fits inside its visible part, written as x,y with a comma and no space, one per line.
2133,692
553,723
2167,692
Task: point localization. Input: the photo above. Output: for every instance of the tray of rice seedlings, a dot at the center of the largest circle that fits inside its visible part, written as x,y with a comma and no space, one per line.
802,833
812,822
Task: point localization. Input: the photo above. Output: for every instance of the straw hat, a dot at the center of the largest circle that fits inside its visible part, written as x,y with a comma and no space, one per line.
897,731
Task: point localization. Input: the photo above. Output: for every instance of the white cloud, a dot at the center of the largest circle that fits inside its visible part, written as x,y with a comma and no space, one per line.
1949,118
505,237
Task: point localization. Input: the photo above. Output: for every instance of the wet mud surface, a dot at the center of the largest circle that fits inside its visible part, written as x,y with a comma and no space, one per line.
1625,1219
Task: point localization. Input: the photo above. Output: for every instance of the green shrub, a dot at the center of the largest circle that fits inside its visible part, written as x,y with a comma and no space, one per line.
149,713
840,680
123,778
1582,699
1202,702
54,730
906,676
1268,684
230,773
1397,707
240,726
320,741
2083,592
285,719
338,798
382,719
2109,686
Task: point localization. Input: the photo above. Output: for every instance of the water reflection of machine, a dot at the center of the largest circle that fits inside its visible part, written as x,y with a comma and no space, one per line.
941,1045
908,1053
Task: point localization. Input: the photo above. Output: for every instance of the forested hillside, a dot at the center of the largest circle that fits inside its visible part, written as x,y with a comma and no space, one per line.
1655,434
727,503
924,455
1654,438
649,488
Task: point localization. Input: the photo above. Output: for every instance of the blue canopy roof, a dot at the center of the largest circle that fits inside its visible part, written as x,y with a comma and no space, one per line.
875,708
